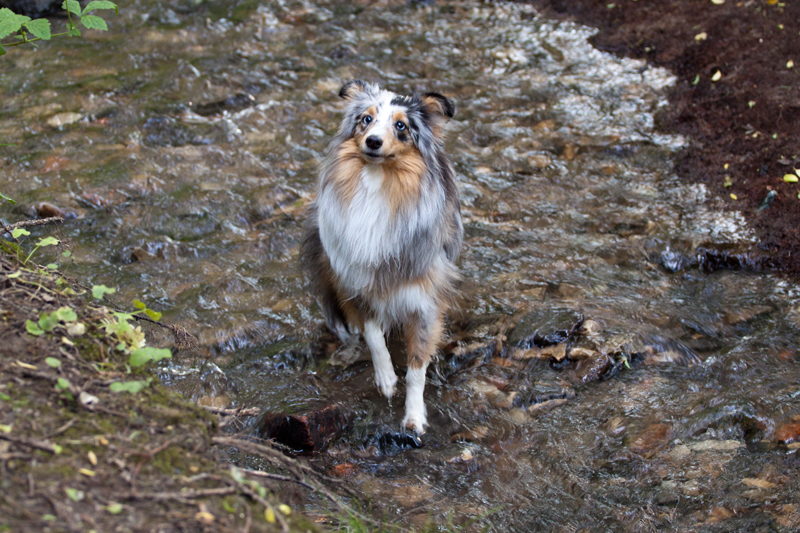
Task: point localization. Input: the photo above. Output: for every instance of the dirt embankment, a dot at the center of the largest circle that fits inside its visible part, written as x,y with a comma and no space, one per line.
737,98
89,442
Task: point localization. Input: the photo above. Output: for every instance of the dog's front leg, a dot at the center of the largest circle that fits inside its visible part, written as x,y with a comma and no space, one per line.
385,378
422,339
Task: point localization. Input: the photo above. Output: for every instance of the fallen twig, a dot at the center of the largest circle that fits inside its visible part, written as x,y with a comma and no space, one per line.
183,495
8,228
30,443
251,411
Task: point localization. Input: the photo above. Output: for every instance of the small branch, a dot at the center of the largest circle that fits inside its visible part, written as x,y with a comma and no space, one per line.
182,495
30,443
29,223
252,411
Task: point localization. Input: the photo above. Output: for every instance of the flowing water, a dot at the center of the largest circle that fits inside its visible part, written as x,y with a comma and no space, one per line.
185,142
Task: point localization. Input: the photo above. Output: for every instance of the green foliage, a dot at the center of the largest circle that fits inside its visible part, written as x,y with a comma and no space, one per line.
129,386
98,291
3,196
146,354
50,321
19,26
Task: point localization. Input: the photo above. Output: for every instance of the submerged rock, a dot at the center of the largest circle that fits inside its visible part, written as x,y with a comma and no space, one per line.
545,327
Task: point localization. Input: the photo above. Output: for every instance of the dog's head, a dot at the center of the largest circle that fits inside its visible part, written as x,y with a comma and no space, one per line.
386,126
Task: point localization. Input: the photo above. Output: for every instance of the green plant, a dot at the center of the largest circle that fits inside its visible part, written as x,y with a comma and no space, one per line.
19,26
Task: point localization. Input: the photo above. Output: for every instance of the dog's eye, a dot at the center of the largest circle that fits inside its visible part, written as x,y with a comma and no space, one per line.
366,120
400,125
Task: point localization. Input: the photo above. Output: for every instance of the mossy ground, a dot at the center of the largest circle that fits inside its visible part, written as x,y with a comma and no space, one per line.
80,457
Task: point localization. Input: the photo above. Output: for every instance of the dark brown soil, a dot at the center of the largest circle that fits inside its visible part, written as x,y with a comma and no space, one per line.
746,125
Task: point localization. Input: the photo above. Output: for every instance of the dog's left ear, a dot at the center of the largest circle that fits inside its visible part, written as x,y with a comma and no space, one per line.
436,104
352,88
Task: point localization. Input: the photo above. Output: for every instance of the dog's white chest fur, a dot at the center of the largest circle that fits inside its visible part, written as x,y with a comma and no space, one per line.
360,236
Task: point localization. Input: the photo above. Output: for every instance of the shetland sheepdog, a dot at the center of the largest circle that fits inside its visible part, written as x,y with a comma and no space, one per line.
384,233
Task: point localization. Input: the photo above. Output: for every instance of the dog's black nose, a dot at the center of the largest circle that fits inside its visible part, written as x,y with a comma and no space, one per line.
373,142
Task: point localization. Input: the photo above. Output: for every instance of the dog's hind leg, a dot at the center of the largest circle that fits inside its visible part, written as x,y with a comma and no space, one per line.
422,339
385,378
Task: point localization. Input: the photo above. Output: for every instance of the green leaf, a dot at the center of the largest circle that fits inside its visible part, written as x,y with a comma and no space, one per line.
2,196
138,304
128,386
100,4
39,28
74,494
19,232
52,266
94,22
66,253
49,517
5,397
48,321
2,53
5,428
57,448
74,32
66,314
98,291
5,14
33,328
52,361
12,23
73,6
62,384
48,241
114,508
155,315
140,356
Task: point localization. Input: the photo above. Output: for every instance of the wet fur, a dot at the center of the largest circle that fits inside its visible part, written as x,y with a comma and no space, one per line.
385,230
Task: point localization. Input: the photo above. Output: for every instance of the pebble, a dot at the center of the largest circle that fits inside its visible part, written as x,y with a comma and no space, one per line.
591,369
62,119
788,433
543,407
648,441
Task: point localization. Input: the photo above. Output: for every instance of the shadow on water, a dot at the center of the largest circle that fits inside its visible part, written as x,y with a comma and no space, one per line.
616,362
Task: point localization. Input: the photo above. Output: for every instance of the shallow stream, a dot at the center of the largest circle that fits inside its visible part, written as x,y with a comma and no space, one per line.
185,143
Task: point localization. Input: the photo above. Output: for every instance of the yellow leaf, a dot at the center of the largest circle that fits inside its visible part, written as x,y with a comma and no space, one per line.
797,171
285,509
205,516
269,515
790,64
103,441
718,2
790,178
717,76
734,197
86,472
92,458
15,275
5,429
702,36
25,365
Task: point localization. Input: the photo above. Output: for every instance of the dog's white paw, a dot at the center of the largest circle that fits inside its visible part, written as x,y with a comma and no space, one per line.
415,422
385,379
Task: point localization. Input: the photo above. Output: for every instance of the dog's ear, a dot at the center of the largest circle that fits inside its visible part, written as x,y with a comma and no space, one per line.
352,88
436,104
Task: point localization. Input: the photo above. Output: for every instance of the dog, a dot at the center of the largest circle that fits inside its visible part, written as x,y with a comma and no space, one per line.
384,232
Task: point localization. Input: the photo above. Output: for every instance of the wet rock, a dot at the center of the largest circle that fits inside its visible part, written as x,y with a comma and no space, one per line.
394,442
545,327
557,352
343,470
712,260
47,210
746,315
758,483
673,261
548,405
307,433
63,119
231,104
578,353
651,439
788,433
140,254
591,369
615,426
502,400
470,435
667,494
716,445
726,422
